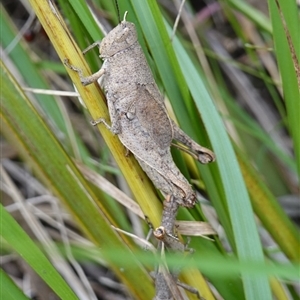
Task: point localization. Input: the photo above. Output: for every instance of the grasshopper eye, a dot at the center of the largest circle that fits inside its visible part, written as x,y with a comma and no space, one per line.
123,36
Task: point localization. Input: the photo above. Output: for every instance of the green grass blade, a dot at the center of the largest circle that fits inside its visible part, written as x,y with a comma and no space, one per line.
18,239
30,72
253,14
219,265
8,289
247,241
271,213
286,64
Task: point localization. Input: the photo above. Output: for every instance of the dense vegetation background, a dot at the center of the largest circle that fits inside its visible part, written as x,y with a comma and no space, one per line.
230,80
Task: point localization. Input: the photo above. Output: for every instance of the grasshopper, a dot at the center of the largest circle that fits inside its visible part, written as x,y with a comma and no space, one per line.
138,114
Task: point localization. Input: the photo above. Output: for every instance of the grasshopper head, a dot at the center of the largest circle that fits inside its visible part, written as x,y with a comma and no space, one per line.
119,39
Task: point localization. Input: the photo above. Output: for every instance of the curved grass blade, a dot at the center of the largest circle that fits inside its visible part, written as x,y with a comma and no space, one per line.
18,239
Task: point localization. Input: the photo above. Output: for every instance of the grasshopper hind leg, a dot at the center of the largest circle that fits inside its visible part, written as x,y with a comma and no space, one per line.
202,154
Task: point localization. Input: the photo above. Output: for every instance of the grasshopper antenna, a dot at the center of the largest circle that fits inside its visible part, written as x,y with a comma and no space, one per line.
118,10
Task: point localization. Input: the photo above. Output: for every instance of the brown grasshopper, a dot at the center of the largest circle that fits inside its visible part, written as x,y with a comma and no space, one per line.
138,114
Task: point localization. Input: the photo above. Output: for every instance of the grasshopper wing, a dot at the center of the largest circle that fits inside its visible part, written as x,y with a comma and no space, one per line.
153,117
